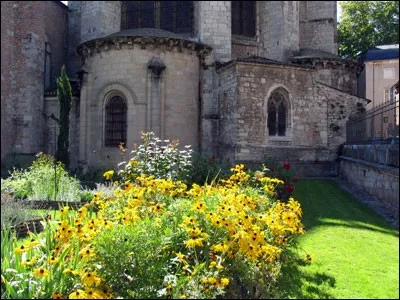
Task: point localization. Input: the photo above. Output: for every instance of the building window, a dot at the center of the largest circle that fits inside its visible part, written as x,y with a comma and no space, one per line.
175,16
278,109
386,96
115,121
244,18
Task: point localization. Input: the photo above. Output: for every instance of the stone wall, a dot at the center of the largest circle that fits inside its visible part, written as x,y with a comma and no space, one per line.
27,26
123,66
387,155
279,29
214,27
318,25
99,18
378,180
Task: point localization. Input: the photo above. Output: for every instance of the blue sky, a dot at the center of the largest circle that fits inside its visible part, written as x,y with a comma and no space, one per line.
339,9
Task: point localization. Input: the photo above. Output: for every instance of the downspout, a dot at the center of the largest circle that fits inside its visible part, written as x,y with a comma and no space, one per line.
199,121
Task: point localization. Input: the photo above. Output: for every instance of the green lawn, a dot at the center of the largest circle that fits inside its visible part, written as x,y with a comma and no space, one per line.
355,253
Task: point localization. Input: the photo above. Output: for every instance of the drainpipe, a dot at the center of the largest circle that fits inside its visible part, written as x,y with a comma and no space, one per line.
200,131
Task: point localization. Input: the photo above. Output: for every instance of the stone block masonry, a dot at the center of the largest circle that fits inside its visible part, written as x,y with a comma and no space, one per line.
376,179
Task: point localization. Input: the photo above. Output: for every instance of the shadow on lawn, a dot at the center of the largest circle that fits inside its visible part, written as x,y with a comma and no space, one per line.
292,282
324,199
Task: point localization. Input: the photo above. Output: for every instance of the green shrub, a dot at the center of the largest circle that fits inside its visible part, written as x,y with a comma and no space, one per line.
206,168
43,180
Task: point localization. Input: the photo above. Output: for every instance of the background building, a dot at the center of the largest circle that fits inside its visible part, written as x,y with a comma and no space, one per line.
243,80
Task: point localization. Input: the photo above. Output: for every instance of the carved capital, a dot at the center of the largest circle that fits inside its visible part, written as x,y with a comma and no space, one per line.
156,65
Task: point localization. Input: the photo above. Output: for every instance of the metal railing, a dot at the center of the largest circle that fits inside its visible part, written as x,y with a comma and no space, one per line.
379,125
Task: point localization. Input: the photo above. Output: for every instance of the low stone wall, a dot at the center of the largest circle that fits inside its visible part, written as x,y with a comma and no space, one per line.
382,154
379,180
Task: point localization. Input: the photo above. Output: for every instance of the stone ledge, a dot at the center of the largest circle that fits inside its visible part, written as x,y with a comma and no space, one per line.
379,167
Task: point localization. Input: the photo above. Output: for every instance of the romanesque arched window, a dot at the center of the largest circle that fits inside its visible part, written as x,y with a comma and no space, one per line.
175,16
278,110
244,18
115,121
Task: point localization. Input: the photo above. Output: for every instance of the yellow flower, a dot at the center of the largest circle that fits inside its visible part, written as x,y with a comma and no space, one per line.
108,174
70,271
40,272
82,212
94,294
53,260
64,210
90,279
57,296
21,249
224,281
212,280
86,252
32,243
79,294
29,262
194,243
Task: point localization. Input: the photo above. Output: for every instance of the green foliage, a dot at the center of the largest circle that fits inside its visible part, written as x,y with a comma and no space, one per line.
206,168
366,24
162,159
12,211
64,96
43,180
133,259
284,172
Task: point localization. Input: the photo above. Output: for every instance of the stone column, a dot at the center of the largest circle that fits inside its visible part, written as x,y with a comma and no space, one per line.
99,18
214,29
157,66
279,26
318,25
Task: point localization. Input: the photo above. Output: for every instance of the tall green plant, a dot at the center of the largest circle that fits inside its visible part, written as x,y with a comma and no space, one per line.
64,96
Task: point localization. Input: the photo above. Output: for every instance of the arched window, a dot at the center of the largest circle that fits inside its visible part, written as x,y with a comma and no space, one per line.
244,18
115,121
278,109
175,16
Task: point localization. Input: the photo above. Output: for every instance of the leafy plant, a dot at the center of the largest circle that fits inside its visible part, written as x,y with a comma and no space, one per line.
162,159
64,96
43,180
207,168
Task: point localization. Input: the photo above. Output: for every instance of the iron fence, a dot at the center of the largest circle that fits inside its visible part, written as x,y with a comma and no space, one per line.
379,125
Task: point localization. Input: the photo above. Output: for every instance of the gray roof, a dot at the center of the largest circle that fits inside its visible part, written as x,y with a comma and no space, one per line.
314,53
260,60
147,32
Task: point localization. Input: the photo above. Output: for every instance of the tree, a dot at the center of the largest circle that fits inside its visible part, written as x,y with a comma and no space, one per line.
64,96
366,24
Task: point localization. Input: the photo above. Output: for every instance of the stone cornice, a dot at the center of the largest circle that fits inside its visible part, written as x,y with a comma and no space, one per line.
89,48
325,62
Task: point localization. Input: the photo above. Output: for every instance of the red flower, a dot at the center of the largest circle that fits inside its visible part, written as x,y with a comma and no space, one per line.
294,180
286,165
289,188
212,158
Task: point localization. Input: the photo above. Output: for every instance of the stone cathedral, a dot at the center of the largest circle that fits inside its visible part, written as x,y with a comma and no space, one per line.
241,80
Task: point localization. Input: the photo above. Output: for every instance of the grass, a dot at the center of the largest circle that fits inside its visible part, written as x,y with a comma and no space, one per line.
355,253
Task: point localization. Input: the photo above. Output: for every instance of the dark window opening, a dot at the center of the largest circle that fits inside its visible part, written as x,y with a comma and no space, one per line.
115,125
277,114
175,16
282,119
244,18
271,118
